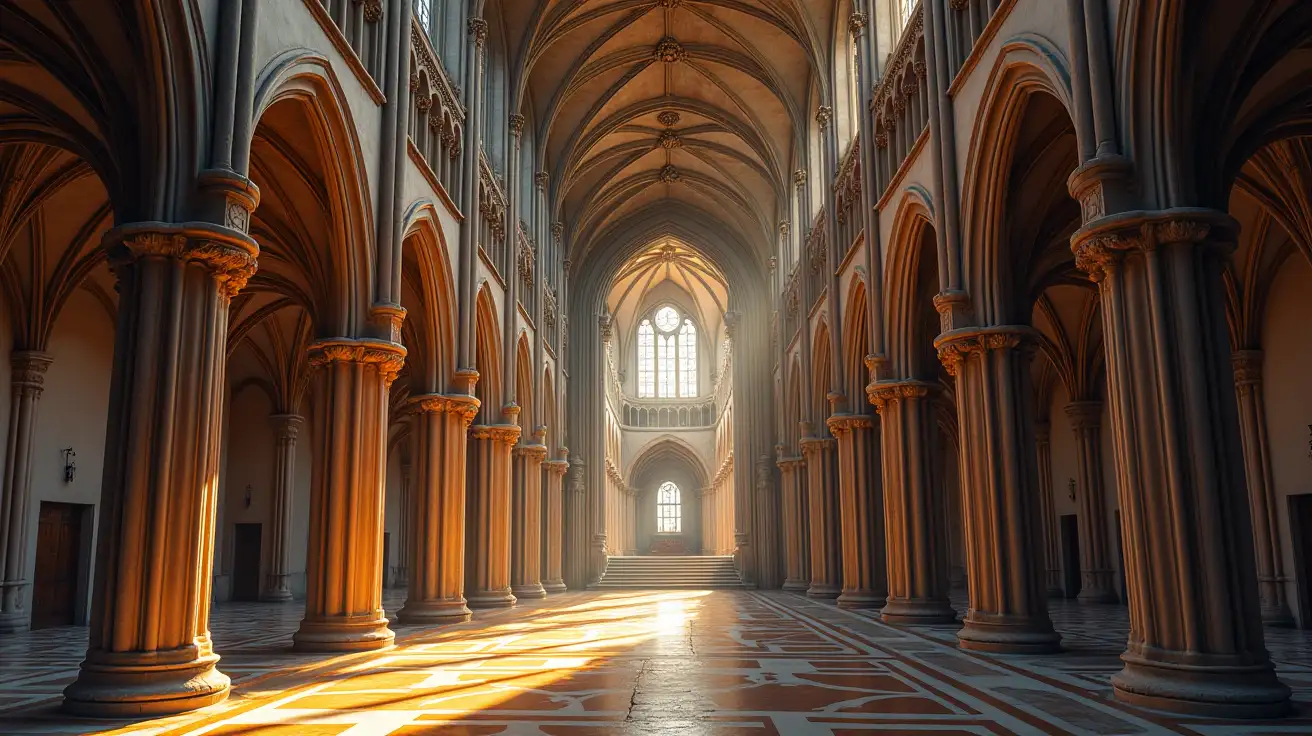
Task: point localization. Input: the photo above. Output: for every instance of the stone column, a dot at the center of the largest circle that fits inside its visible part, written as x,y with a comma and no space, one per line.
526,520
405,539
1261,488
1051,538
436,516
914,507
862,512
1196,643
1095,555
344,567
149,652
286,428
797,552
487,563
1000,489
553,528
26,381
822,487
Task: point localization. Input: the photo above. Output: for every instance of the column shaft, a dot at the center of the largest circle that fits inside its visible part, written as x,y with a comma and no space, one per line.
914,507
150,651
1261,488
487,561
1095,551
436,517
27,381
344,566
554,523
405,538
999,474
822,495
286,428
526,522
1196,643
862,512
797,552
1051,537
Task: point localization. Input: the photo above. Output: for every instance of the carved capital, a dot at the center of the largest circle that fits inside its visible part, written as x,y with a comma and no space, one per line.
506,434
883,393
841,424
286,426
799,177
1100,246
823,115
557,231
1084,414
531,453
462,406
957,346
373,10
28,370
478,29
1248,369
540,179
386,357
856,23
606,324
228,254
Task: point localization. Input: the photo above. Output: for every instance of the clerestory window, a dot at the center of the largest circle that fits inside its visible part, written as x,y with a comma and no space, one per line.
667,356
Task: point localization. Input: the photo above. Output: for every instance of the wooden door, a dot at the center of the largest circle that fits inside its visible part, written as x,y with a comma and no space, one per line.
58,562
1070,553
246,563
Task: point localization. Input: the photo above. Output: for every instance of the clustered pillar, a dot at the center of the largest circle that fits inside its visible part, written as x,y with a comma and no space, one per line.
554,523
1095,546
999,479
344,569
797,538
863,568
1196,643
27,381
526,520
436,517
150,651
286,428
823,512
1047,507
487,572
914,504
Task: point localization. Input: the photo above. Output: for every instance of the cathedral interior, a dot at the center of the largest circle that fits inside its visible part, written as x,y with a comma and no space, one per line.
656,367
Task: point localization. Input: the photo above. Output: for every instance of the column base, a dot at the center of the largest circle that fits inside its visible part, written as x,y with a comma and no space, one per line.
343,634
277,589
554,586
433,613
823,591
15,622
796,586
1213,691
918,612
491,599
1003,634
132,684
1277,616
532,591
861,599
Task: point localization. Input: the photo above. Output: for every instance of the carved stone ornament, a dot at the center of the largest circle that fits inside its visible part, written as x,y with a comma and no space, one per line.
669,118
954,348
373,10
1248,369
386,357
670,140
882,393
841,424
28,370
670,174
671,3
516,124
856,23
578,483
464,407
606,323
557,231
773,264
823,115
540,179
478,29
527,261
1099,247
506,434
799,177
230,256
668,50
732,319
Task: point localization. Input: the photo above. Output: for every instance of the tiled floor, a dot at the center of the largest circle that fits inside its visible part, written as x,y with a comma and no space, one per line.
686,663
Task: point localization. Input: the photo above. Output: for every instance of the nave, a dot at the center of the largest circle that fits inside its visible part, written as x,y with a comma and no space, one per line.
647,662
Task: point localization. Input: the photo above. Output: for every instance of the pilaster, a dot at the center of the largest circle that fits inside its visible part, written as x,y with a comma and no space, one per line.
344,568
27,381
862,512
556,472
796,523
526,521
999,477
823,510
436,516
1196,644
150,651
1095,553
914,505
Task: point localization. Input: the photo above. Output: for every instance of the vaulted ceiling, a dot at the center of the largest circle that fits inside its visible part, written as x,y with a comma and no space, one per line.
694,105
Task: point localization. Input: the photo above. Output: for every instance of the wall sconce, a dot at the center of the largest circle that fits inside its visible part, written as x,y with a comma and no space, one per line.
70,464
1070,488
247,497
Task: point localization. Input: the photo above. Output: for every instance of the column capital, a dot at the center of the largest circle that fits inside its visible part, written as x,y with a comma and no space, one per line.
882,393
229,254
478,29
286,426
811,445
461,405
1100,245
841,424
856,23
791,462
1248,368
557,468
955,346
1084,414
386,357
536,453
28,369
506,434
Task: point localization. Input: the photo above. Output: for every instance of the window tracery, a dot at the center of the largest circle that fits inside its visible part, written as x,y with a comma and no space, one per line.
669,509
667,356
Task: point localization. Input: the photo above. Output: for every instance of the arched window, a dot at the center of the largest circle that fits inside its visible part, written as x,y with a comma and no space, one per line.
424,13
667,356
669,512
906,7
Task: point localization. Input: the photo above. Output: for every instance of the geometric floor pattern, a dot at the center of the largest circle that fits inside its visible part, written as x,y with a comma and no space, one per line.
681,663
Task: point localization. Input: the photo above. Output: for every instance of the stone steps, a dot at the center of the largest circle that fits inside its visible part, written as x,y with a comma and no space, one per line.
656,572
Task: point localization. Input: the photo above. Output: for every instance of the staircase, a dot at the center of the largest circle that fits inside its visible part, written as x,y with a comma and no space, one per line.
656,571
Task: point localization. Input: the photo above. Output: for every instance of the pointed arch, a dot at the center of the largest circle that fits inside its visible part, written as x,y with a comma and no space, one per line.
487,344
427,269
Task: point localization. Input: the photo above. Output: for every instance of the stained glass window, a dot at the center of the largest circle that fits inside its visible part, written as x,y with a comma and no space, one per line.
668,509
667,356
